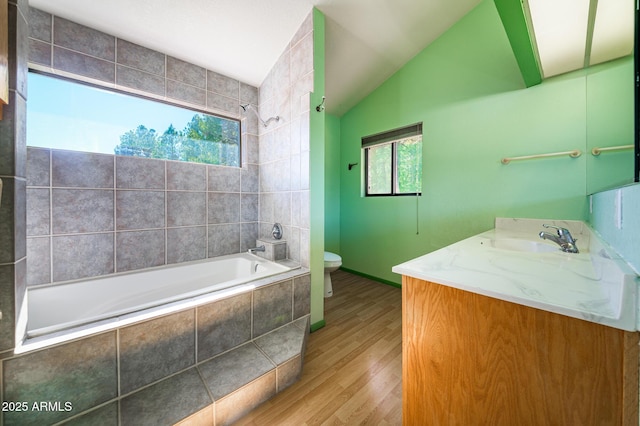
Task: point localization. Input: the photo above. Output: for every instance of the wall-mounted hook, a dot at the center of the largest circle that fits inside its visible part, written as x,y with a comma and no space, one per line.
320,107
351,165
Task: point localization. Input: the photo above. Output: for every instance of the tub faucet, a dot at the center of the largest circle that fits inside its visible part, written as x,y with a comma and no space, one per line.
563,238
255,249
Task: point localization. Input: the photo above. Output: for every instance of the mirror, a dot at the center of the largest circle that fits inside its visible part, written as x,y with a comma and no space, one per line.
610,124
611,116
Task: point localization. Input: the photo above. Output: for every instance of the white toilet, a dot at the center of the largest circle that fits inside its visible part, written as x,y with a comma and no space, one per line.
331,263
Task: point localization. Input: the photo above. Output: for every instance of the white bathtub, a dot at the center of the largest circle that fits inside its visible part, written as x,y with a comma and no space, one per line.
53,308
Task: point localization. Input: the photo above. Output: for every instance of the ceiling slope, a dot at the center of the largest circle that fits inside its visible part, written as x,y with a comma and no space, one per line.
366,40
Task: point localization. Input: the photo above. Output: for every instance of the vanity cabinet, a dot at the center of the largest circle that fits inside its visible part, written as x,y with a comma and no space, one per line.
470,359
4,54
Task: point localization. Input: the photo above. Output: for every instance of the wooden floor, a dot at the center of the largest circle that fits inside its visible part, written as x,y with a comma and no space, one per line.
352,371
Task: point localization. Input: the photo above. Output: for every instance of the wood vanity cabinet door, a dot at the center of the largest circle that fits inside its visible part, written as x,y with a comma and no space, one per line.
4,54
469,359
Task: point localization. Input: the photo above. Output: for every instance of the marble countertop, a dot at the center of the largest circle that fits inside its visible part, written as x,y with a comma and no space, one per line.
511,263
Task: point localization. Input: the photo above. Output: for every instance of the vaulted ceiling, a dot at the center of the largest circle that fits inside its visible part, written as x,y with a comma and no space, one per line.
366,40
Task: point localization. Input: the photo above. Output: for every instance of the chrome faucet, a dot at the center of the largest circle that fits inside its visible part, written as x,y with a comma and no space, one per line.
563,238
255,249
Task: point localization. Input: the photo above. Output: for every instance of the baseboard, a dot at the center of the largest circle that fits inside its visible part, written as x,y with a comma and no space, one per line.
371,277
317,325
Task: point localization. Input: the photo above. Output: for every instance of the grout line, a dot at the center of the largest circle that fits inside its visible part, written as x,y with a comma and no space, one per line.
51,262
115,217
118,364
166,215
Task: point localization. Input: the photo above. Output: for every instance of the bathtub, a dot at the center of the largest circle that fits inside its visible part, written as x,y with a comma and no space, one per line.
113,300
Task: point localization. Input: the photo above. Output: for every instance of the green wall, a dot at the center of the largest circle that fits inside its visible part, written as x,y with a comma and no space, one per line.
316,174
332,184
468,91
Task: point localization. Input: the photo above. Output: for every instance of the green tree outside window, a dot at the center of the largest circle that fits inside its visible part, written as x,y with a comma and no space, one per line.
205,139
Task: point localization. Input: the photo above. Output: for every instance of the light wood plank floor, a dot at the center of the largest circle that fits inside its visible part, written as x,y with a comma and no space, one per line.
352,371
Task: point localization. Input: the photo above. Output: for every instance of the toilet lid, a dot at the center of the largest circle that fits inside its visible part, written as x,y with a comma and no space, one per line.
331,257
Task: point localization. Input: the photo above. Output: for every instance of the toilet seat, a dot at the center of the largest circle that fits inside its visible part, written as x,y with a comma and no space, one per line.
332,259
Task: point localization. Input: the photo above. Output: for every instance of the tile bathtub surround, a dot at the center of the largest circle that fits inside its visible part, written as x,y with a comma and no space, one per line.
38,375
12,171
70,169
131,214
273,249
271,309
147,372
241,402
284,343
167,402
73,49
155,349
223,379
284,145
83,373
190,191
275,172
82,255
223,325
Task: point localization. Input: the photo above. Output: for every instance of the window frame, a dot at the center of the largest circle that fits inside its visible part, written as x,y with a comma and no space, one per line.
391,137
151,98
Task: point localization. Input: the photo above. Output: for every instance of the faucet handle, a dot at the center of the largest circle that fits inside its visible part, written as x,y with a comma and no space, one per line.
562,232
552,226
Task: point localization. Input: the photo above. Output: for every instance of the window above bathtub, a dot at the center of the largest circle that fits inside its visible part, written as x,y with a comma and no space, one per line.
393,162
62,114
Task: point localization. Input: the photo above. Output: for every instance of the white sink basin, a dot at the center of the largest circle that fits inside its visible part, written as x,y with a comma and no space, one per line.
516,244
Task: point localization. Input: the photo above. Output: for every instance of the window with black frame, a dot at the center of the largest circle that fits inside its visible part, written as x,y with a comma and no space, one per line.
393,162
